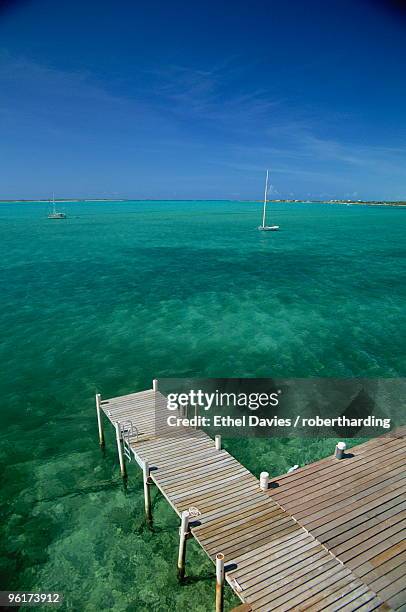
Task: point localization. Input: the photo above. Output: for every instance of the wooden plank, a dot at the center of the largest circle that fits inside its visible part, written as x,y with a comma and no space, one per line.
227,513
352,600
220,499
226,540
279,574
204,481
230,498
245,531
153,447
290,580
235,512
393,589
362,501
219,474
314,486
164,455
395,523
396,573
264,552
394,550
287,597
237,520
217,485
195,462
326,468
370,603
353,531
395,531
385,550
373,445
398,601
234,548
359,519
338,591
233,487
277,561
192,476
293,542
335,519
371,483
269,539
347,479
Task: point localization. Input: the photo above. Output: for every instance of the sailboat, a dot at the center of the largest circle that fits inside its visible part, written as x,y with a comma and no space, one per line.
54,214
267,228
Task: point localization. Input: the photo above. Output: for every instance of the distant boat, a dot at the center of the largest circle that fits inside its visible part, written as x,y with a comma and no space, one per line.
54,214
264,227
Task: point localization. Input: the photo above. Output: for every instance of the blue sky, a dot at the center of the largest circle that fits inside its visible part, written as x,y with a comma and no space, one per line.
195,99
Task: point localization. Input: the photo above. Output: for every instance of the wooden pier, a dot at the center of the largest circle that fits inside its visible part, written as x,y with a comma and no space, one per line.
310,540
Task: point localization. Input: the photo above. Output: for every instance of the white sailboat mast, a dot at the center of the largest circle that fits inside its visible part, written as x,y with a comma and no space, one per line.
265,197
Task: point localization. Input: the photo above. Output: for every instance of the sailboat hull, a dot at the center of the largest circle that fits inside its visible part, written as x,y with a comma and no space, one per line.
57,216
269,228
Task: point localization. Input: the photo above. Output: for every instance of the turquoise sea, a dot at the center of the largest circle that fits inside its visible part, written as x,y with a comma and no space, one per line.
122,292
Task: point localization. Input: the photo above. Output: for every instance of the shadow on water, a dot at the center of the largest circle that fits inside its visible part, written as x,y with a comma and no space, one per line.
106,486
196,579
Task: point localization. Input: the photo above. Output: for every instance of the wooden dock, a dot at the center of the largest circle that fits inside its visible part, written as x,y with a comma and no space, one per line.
313,540
357,509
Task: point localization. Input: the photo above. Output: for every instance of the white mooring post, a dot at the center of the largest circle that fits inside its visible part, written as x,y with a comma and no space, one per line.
99,419
147,492
264,481
155,385
217,441
120,449
340,449
183,534
219,582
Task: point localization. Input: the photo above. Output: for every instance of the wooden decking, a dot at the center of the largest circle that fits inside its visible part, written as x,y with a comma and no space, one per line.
356,507
285,549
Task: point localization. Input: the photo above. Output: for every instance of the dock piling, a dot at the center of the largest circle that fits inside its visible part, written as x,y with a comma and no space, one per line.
183,535
147,492
340,449
219,582
217,441
120,450
155,385
264,481
99,419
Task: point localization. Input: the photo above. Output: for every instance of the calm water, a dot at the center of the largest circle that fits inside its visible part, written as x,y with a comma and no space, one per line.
120,293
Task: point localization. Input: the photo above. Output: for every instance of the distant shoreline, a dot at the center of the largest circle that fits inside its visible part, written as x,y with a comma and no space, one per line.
400,203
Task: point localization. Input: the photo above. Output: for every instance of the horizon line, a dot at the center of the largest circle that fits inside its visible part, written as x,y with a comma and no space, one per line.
256,200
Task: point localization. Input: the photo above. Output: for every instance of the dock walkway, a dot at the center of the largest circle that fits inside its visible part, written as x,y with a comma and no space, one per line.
285,548
357,509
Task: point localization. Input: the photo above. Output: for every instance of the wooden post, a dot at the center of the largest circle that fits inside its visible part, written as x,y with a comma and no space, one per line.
99,419
155,385
183,534
264,481
219,582
217,441
340,448
120,449
147,492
